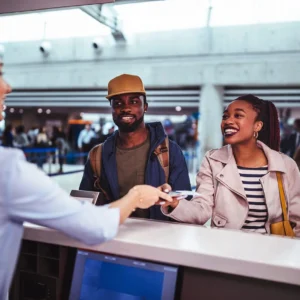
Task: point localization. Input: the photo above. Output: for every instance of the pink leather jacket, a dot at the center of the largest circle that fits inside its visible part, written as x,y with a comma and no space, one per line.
223,197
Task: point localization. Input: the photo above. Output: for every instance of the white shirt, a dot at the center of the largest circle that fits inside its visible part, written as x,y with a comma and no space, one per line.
27,194
85,137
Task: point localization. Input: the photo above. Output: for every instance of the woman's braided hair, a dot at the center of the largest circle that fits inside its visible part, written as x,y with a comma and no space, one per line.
267,113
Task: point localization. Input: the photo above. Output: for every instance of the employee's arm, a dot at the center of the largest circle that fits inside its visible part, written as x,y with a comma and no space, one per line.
32,196
141,196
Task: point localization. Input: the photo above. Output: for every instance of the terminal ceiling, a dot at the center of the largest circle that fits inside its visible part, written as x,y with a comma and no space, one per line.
130,17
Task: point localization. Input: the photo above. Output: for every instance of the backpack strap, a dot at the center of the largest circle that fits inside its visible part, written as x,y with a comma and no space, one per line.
162,153
95,157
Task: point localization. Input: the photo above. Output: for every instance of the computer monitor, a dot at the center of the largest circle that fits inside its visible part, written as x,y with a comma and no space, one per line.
99,276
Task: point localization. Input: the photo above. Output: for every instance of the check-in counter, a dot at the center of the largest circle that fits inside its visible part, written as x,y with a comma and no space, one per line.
212,263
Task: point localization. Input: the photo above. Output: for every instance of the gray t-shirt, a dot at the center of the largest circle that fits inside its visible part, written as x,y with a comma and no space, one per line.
131,166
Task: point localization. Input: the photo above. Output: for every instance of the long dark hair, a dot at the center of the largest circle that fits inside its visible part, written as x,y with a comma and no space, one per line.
267,113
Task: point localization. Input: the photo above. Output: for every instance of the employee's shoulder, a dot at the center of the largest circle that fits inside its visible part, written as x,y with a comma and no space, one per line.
9,155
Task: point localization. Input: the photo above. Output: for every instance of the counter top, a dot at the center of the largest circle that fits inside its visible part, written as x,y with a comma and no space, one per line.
227,251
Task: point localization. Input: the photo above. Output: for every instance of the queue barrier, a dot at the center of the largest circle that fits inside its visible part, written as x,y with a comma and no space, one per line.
40,156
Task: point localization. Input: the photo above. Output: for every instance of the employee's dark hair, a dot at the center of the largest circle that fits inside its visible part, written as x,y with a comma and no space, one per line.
267,113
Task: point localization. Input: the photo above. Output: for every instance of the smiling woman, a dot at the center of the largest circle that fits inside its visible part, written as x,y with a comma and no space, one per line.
239,184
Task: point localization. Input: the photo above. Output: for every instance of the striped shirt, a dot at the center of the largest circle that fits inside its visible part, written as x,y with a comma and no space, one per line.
258,213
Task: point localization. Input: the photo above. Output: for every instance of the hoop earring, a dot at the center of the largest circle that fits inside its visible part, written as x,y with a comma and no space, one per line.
255,134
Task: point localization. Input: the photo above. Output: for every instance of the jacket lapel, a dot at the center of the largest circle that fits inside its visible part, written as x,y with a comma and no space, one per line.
229,175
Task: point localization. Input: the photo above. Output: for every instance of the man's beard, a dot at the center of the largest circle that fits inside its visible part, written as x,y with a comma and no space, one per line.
124,127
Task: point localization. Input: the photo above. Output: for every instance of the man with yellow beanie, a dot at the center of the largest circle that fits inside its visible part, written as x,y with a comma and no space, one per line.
137,153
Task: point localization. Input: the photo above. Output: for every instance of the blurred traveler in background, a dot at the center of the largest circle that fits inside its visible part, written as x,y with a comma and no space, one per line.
169,129
290,143
101,137
84,139
20,138
132,154
8,136
59,140
42,141
32,134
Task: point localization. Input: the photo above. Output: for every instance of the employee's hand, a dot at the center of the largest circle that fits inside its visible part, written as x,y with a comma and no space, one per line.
149,195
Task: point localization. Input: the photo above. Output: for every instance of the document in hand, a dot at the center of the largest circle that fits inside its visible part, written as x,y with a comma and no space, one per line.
187,194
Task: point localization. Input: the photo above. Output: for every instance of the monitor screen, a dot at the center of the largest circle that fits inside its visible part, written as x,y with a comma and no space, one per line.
99,276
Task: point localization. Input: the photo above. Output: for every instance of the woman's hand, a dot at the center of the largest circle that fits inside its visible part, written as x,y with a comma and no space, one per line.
148,196
167,188
172,204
